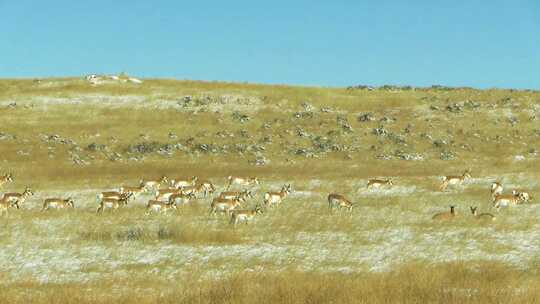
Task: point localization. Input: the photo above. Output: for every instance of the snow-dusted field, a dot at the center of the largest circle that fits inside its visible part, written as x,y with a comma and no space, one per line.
388,227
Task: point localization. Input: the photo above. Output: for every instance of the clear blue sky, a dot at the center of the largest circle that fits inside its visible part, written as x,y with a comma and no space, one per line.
328,43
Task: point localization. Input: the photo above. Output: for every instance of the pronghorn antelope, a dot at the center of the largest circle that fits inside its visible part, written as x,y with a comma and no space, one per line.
112,203
496,189
242,181
241,195
245,216
183,182
207,187
378,183
183,197
6,178
18,198
5,205
445,215
340,201
224,205
523,196
454,180
191,189
505,200
275,198
153,184
159,206
114,194
481,216
164,194
57,203
135,191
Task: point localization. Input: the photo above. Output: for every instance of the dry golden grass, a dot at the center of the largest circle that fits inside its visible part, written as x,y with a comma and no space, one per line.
194,258
411,283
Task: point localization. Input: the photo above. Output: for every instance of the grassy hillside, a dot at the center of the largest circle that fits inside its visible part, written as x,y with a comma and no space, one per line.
65,137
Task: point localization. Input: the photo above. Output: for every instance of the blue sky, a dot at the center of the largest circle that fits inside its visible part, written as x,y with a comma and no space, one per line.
323,43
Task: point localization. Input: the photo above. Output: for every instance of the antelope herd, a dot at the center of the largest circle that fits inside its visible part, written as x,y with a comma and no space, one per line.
169,193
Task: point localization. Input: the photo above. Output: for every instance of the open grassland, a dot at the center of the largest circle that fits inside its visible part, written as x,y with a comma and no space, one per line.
64,137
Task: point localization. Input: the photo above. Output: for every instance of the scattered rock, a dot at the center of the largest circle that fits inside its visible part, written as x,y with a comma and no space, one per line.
380,131
325,109
303,115
96,147
447,155
242,118
454,108
519,158
6,136
365,117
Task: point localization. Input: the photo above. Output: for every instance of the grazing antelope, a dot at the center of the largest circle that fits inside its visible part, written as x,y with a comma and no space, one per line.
159,206
245,216
183,182
135,191
523,196
18,198
6,178
112,203
5,205
275,198
242,181
57,203
207,187
241,195
224,205
505,200
455,180
378,183
445,215
496,189
340,201
154,184
482,216
183,197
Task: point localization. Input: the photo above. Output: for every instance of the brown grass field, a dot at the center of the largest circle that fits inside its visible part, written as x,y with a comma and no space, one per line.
65,137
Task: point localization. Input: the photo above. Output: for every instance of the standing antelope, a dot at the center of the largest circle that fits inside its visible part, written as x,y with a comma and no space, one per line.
18,198
112,203
242,181
57,203
340,201
275,198
113,194
164,194
159,206
224,205
496,189
207,187
241,195
245,216
154,184
445,215
378,183
481,216
6,178
183,197
505,200
183,182
455,180
134,191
